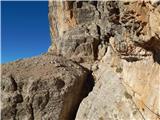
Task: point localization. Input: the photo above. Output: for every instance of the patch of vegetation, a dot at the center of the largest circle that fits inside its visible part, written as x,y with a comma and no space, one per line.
101,118
115,115
84,114
127,95
134,112
119,69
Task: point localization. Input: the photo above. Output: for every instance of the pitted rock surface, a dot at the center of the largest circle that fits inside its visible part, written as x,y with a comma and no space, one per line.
42,88
134,25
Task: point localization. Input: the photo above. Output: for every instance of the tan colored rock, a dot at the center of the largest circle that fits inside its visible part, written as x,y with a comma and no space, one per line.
142,80
42,88
109,99
61,17
69,37
119,41
154,21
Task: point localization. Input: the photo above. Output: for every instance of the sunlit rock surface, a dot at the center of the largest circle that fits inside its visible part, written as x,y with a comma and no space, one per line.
42,88
117,41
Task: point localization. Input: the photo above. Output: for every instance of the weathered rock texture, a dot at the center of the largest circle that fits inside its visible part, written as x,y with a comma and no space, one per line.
82,29
142,80
46,87
130,34
118,41
109,99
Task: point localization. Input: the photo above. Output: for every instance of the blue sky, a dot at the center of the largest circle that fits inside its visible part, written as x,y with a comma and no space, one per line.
24,29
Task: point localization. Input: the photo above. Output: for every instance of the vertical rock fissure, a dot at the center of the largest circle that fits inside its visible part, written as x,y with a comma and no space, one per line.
32,112
88,87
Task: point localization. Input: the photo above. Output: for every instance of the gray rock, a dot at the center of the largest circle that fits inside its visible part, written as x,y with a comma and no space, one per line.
128,22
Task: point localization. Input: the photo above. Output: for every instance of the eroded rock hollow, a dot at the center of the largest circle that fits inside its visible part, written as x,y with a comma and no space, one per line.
103,64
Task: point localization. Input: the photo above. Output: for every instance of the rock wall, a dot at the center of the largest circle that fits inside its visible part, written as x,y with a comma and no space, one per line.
82,29
142,80
109,99
117,41
124,36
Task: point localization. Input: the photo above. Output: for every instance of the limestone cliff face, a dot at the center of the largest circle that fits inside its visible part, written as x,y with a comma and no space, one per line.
117,36
117,41
82,29
73,32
